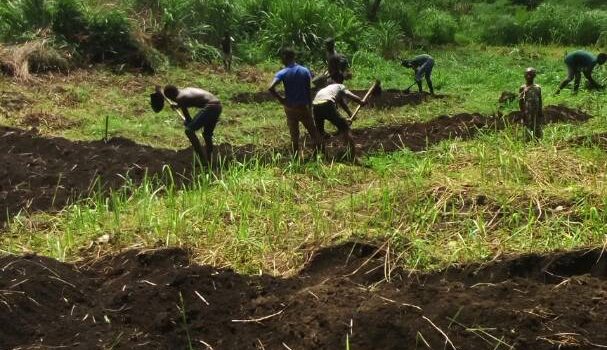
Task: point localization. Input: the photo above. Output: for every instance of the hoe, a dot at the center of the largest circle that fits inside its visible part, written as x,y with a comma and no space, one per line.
375,90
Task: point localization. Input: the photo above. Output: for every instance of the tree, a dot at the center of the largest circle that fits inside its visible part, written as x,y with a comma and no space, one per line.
373,9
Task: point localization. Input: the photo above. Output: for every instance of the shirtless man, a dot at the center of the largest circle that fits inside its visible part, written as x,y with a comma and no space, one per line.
206,118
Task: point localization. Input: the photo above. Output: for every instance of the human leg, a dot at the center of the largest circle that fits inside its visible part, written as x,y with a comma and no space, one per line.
570,77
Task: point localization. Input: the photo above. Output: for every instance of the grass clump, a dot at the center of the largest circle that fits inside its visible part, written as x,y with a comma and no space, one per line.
436,26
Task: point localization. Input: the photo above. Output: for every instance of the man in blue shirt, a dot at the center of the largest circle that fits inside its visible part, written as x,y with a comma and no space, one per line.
297,100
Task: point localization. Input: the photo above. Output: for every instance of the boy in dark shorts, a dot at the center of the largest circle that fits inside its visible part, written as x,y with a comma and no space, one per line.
422,65
297,100
206,118
530,103
325,108
579,62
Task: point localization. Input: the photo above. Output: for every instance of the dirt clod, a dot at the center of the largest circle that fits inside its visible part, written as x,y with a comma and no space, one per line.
135,298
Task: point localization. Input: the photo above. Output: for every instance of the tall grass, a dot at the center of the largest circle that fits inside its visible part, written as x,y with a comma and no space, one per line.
191,30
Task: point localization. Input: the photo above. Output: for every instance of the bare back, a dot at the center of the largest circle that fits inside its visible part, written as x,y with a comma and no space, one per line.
195,97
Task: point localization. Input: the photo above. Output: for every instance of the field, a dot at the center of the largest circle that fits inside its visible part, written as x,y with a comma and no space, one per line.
455,232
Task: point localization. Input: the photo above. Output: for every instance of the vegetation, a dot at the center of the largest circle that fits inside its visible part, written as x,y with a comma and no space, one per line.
147,33
458,201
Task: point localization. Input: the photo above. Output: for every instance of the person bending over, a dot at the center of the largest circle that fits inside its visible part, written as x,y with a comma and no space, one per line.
206,118
578,63
325,108
422,65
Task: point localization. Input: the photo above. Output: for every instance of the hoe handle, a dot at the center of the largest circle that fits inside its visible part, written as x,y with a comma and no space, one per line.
367,95
171,103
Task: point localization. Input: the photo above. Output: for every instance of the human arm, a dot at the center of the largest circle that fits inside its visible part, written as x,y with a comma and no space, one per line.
186,114
273,92
358,100
342,103
593,83
521,99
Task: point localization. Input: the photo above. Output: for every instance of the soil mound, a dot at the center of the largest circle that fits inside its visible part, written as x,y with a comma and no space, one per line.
420,136
387,99
158,300
46,173
43,173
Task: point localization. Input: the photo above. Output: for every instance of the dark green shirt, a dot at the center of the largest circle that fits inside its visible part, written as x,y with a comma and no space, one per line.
419,61
581,60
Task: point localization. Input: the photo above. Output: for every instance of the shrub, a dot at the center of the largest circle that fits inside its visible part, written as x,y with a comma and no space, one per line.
502,30
21,19
586,27
548,24
436,26
300,24
109,36
386,39
69,20
398,12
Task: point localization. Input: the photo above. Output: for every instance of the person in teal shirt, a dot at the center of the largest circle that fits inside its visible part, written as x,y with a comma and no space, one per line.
579,62
422,65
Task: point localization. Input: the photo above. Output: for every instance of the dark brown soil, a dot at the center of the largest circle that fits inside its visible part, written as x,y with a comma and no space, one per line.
419,136
159,300
41,173
387,99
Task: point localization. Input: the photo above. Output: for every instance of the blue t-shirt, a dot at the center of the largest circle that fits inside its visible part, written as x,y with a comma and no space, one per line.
296,80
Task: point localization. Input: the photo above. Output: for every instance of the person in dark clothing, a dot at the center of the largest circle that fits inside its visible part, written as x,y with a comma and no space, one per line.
324,107
530,103
337,64
206,118
578,63
226,50
297,100
422,65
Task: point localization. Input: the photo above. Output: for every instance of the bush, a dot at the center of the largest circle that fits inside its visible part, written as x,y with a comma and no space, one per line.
303,25
586,27
398,12
548,24
436,26
386,39
109,37
69,21
21,19
503,30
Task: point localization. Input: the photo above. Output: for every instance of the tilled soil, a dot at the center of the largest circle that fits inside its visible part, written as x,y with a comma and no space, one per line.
159,300
46,173
387,99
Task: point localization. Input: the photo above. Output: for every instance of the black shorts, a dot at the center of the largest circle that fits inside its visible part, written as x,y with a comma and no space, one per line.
328,111
206,118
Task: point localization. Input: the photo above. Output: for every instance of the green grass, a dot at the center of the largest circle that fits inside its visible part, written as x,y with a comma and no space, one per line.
458,201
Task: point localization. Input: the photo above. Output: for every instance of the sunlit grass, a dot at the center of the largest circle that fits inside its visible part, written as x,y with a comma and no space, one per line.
459,201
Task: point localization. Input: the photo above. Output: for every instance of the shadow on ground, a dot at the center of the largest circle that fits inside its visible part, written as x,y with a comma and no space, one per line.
159,300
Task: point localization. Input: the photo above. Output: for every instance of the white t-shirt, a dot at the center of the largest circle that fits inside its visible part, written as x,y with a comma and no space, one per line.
330,94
